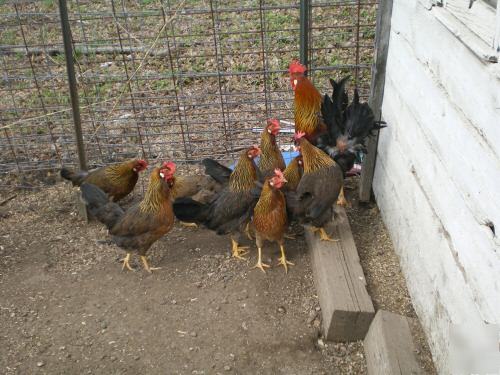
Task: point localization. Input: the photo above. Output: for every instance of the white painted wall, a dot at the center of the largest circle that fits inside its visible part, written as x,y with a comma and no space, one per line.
437,177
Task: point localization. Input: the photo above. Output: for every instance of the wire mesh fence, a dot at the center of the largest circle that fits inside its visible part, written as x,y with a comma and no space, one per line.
162,79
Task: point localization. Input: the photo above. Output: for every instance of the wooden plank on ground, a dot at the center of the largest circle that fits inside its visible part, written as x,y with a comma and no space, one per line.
346,307
81,207
382,36
389,348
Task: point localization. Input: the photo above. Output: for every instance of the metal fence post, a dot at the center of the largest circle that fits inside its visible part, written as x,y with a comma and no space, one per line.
304,31
73,90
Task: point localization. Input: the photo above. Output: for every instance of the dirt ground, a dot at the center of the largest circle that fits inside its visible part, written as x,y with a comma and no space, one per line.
67,307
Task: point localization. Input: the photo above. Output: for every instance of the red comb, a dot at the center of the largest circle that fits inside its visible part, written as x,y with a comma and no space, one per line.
169,165
274,121
296,67
278,173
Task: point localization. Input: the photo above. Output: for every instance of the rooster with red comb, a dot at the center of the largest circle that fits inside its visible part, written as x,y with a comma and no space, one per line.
307,103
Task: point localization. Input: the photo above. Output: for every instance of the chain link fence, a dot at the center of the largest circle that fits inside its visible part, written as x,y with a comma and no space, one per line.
162,79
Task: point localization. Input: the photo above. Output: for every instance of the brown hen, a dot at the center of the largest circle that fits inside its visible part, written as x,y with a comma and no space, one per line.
270,218
144,223
116,180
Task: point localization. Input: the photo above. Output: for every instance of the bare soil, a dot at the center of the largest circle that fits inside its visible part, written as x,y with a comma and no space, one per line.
67,307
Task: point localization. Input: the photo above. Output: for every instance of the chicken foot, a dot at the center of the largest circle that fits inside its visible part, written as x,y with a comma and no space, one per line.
341,200
126,263
282,260
323,235
259,261
146,265
238,251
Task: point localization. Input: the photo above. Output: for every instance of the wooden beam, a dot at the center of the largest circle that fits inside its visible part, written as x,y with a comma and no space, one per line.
389,348
346,307
382,37
81,207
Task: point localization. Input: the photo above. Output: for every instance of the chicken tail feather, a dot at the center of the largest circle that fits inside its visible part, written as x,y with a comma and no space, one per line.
360,121
75,177
189,210
216,170
99,205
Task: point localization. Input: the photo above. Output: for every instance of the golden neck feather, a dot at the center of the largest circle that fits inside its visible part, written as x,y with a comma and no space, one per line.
118,171
313,158
156,194
292,174
265,202
307,104
244,175
270,150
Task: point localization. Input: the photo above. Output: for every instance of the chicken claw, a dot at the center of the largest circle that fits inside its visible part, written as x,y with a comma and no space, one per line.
126,263
323,235
282,260
238,251
341,200
188,225
146,265
289,236
259,262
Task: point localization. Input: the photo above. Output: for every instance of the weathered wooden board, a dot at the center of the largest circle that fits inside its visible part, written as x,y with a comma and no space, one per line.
435,177
382,35
81,207
346,307
389,348
461,188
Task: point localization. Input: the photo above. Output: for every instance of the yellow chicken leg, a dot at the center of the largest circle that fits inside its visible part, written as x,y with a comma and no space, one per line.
285,263
248,232
341,200
323,235
238,251
126,263
259,262
146,265
188,225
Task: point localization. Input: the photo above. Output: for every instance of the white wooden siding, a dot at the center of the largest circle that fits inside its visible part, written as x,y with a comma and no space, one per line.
437,178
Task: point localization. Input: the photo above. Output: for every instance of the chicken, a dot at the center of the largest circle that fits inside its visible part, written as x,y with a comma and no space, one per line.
142,224
307,103
201,188
271,157
229,211
116,180
293,173
348,127
270,219
318,188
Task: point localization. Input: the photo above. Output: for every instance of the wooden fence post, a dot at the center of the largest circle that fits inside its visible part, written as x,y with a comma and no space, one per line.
382,35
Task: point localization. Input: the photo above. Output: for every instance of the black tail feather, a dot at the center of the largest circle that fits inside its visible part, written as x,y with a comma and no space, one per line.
332,110
76,178
216,170
360,121
100,206
190,211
